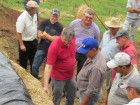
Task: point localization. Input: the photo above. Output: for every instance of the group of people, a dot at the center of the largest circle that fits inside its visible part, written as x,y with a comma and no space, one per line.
113,59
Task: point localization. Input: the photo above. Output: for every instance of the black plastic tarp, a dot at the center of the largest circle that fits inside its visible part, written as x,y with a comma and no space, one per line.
12,88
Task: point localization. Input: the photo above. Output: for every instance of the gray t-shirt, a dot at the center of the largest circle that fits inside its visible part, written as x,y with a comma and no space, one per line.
117,95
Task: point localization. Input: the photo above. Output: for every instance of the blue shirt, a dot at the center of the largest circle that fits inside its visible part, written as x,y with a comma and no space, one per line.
109,47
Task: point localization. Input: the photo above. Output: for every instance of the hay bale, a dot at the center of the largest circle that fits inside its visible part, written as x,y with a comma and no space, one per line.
80,11
34,87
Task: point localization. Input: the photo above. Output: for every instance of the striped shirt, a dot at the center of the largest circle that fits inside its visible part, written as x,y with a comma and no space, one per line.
92,75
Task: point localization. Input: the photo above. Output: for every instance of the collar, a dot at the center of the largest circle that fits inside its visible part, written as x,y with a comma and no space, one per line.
94,59
127,76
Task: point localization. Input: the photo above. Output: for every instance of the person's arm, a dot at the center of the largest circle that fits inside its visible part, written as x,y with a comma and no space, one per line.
132,10
85,100
21,44
47,72
49,37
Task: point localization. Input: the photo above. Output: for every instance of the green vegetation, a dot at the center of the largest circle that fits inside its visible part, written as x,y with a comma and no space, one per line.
105,9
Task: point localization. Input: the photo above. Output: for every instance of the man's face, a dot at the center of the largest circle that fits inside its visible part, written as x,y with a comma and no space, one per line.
54,18
121,41
66,41
113,31
87,19
118,69
33,11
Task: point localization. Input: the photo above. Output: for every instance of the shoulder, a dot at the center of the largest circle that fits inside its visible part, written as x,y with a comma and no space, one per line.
75,22
45,21
22,16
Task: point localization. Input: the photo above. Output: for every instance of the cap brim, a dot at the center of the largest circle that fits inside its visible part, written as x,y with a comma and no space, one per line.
82,50
55,13
111,64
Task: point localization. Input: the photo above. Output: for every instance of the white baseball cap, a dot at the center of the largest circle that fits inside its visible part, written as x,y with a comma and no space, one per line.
120,59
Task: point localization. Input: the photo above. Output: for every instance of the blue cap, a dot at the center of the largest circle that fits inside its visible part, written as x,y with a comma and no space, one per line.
87,44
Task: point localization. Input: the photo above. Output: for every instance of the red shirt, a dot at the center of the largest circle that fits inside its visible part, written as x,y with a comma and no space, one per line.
131,51
62,58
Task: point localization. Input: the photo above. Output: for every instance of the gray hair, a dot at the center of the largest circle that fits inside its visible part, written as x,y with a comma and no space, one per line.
89,11
68,32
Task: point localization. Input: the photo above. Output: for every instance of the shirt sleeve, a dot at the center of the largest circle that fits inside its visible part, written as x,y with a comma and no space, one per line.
52,54
97,34
129,4
133,57
94,84
20,25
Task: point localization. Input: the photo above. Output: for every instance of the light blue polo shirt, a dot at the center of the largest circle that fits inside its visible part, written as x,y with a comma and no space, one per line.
109,47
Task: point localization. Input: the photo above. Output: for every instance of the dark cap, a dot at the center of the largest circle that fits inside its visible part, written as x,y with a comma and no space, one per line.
55,11
122,33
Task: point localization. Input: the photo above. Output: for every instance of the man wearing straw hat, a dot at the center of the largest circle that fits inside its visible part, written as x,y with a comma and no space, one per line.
108,45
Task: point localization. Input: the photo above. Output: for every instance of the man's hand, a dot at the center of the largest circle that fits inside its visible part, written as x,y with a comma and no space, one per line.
46,89
22,48
45,34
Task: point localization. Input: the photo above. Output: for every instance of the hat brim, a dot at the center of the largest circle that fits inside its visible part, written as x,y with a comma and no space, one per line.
111,64
32,6
82,50
108,24
55,13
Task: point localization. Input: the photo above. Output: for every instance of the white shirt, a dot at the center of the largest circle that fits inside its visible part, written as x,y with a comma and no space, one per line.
135,101
27,26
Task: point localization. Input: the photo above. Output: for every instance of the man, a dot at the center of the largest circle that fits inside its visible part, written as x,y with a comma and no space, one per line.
126,46
26,27
133,90
108,45
84,28
125,71
60,65
132,17
90,78
49,30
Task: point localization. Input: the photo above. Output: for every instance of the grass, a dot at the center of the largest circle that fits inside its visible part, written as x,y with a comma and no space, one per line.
105,9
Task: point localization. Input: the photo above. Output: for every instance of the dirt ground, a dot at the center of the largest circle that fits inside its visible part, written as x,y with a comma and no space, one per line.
9,43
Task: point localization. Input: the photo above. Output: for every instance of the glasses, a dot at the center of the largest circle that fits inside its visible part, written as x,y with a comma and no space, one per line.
87,17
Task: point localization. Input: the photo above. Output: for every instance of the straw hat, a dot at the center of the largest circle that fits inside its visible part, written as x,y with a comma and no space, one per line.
32,4
114,23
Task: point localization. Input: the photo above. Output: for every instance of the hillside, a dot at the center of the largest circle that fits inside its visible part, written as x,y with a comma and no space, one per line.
8,40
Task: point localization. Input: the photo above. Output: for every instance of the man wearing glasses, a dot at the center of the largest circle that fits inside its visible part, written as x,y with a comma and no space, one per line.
49,30
84,28
125,70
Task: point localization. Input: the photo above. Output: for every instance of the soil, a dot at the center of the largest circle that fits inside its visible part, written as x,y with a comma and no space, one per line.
9,44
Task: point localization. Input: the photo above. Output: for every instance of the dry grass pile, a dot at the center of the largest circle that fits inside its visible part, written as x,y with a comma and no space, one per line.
34,87
80,11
